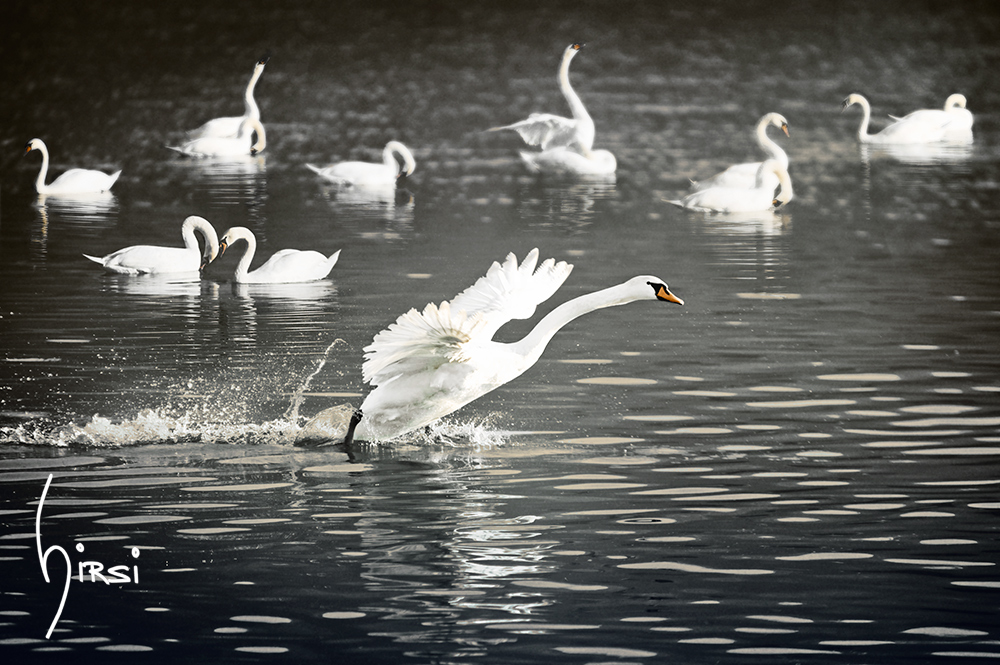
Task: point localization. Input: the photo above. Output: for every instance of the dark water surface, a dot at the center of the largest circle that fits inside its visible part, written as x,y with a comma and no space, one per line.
799,465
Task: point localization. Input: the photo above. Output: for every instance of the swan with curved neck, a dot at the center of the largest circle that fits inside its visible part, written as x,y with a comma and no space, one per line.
363,174
915,130
73,181
759,198
954,117
240,146
153,259
431,363
284,267
745,175
229,127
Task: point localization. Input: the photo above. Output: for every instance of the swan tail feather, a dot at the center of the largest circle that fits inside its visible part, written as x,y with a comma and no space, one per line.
95,259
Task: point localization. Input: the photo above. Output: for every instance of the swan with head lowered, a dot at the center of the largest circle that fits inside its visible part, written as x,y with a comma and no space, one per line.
229,127
366,174
241,145
433,362
745,175
155,260
955,118
905,130
284,267
759,198
567,143
74,181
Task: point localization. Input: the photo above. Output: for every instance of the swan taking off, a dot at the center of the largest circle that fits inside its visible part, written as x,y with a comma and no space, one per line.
362,174
566,143
153,260
284,267
745,175
904,130
955,118
229,127
240,146
430,363
759,198
74,181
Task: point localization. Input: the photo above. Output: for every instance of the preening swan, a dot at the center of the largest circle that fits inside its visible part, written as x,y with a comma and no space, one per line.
955,117
745,175
363,174
904,130
284,267
240,146
428,364
74,181
152,259
738,199
229,127
564,135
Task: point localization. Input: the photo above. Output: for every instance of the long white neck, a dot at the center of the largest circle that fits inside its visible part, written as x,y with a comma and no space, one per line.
585,124
772,149
866,117
250,109
390,161
201,225
243,267
42,172
246,131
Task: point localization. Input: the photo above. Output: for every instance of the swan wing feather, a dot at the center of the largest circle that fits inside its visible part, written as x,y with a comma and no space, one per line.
545,129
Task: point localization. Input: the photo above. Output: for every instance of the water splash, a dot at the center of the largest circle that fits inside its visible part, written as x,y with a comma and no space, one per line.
298,396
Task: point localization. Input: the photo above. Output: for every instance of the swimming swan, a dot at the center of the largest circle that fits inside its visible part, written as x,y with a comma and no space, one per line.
428,364
284,267
745,175
228,147
759,198
74,181
152,259
955,117
915,130
229,127
366,174
553,132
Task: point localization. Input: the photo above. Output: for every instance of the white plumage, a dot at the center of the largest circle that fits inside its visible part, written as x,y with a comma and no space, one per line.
955,118
285,266
366,174
241,145
229,127
745,175
920,129
153,259
73,181
759,198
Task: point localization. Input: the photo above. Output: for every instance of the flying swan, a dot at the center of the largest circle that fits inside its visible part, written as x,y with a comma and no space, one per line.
229,127
74,181
153,260
362,174
428,364
904,130
566,143
284,267
240,146
745,175
955,117
759,198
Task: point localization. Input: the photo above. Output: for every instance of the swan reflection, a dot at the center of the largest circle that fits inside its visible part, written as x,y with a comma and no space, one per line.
956,149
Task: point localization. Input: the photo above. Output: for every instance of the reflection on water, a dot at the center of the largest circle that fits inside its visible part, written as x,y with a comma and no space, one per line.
955,150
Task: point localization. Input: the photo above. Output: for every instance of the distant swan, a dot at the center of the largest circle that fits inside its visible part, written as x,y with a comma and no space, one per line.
904,130
152,259
367,174
745,175
428,364
229,127
284,267
955,117
74,181
563,136
759,198
241,146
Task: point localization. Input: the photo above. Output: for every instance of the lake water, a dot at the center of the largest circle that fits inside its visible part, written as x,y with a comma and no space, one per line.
799,465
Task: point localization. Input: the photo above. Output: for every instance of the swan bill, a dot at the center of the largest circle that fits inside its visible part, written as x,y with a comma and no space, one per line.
663,293
784,128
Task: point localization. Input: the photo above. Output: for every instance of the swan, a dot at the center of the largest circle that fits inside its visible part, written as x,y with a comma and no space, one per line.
745,175
428,364
575,135
229,127
284,267
738,199
366,174
955,117
904,130
74,181
151,259
240,146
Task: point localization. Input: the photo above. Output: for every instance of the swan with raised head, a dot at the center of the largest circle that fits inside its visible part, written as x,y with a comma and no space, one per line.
566,143
915,130
955,117
240,146
745,175
284,267
430,363
154,260
229,127
759,198
73,181
362,174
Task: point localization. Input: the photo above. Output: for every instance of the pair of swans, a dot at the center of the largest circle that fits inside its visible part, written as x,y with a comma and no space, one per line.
923,126
229,127
759,198
567,144
365,174
431,363
73,181
241,145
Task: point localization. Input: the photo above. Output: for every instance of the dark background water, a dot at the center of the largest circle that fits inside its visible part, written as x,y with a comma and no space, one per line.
798,465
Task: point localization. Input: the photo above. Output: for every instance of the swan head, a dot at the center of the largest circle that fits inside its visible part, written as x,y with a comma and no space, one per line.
233,235
264,60
774,166
648,287
778,121
955,101
851,100
572,50
33,144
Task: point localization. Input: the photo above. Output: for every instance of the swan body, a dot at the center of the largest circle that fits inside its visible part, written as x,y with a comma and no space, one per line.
240,146
229,127
759,198
563,160
955,117
361,174
73,181
430,363
153,260
284,267
745,175
914,130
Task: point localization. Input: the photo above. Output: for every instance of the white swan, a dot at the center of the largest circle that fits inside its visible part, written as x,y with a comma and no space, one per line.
74,181
738,199
240,146
563,136
152,259
428,364
915,130
745,175
363,174
284,267
955,117
229,127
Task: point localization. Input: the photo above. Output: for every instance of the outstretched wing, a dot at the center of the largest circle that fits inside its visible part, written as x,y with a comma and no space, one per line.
545,129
